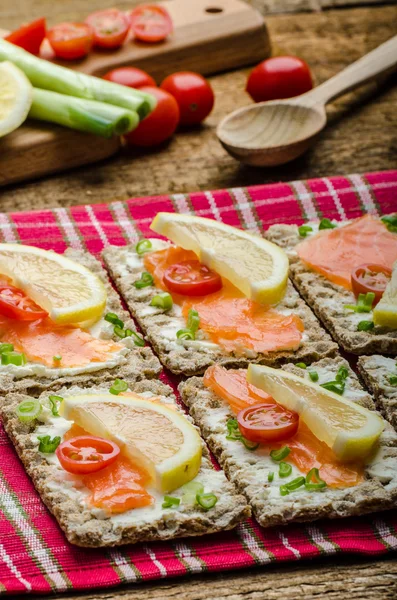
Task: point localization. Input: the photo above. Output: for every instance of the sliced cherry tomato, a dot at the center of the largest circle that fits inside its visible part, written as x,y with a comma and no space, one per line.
15,304
87,454
191,278
151,23
71,41
160,124
193,93
29,36
279,77
370,278
130,76
110,27
267,423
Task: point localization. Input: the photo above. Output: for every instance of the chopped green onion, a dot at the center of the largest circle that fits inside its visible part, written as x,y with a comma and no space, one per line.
138,340
48,445
391,222
146,280
295,484
338,387
193,320
206,501
143,246
190,491
57,358
278,455
364,303
284,490
233,430
54,404
114,320
28,410
6,348
365,326
119,331
393,379
118,386
170,501
301,365
13,358
326,224
248,444
185,334
163,300
270,476
304,230
284,469
342,374
313,375
313,481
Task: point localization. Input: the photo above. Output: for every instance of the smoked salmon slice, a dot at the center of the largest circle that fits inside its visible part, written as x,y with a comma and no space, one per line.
334,253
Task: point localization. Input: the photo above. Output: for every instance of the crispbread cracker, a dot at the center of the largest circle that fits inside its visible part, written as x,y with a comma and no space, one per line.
139,363
249,470
82,527
189,358
328,299
375,371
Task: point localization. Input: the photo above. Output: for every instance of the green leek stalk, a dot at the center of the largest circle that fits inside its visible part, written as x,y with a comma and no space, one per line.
50,76
90,116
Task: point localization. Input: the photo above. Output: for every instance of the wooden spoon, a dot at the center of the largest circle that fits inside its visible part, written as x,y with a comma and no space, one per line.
273,133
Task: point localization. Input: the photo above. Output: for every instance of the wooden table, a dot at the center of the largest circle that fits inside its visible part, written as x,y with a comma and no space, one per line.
362,136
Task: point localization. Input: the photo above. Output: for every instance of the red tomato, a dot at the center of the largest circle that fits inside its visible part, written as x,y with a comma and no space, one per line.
193,93
110,27
267,423
151,23
29,36
279,77
370,278
191,278
130,76
71,41
86,454
15,304
160,124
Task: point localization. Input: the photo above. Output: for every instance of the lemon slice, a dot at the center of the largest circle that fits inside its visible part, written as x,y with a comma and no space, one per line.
69,292
151,434
385,312
15,97
258,268
348,428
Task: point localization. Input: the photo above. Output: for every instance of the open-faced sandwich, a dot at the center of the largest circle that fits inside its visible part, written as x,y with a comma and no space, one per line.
302,443
342,270
380,375
215,295
120,464
61,323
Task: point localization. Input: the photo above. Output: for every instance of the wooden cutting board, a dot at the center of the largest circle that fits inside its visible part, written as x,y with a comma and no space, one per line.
210,36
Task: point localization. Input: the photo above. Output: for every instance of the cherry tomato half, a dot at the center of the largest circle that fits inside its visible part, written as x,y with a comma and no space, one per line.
151,23
15,304
29,36
160,124
192,278
110,27
279,77
131,77
71,41
267,423
370,278
86,454
193,93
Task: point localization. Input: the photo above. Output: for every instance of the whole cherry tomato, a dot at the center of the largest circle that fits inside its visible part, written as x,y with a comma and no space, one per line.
130,76
87,454
192,278
71,41
193,94
151,23
29,36
160,124
370,278
267,423
279,77
110,27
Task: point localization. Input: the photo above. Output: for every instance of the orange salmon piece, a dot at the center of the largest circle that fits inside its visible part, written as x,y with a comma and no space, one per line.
334,253
230,319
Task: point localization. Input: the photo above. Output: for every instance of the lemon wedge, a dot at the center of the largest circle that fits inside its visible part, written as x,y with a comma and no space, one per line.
15,97
385,312
349,429
154,436
69,292
257,267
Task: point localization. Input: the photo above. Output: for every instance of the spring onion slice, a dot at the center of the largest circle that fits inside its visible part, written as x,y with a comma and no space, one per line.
313,481
326,224
284,490
393,379
28,410
251,446
118,386
313,375
295,484
365,326
391,222
284,469
146,280
193,320
278,455
206,501
119,331
54,400
114,320
338,387
190,491
170,501
57,358
304,230
342,374
270,476
13,358
233,432
48,445
143,246
6,348
364,303
163,300
185,334
138,340
301,365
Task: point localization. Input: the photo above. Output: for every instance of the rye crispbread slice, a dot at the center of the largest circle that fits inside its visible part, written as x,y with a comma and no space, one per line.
376,372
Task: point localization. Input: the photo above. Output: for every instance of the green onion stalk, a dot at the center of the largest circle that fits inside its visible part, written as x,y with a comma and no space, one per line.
50,76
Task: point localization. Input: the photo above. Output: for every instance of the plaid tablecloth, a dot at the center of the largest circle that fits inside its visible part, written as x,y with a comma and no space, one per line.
34,555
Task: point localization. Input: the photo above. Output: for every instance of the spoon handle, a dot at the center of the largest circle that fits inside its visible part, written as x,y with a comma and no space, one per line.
382,59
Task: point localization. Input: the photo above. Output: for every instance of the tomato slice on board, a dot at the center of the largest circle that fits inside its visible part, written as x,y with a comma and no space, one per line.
87,454
151,23
267,423
71,41
110,27
15,304
370,278
192,278
29,36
